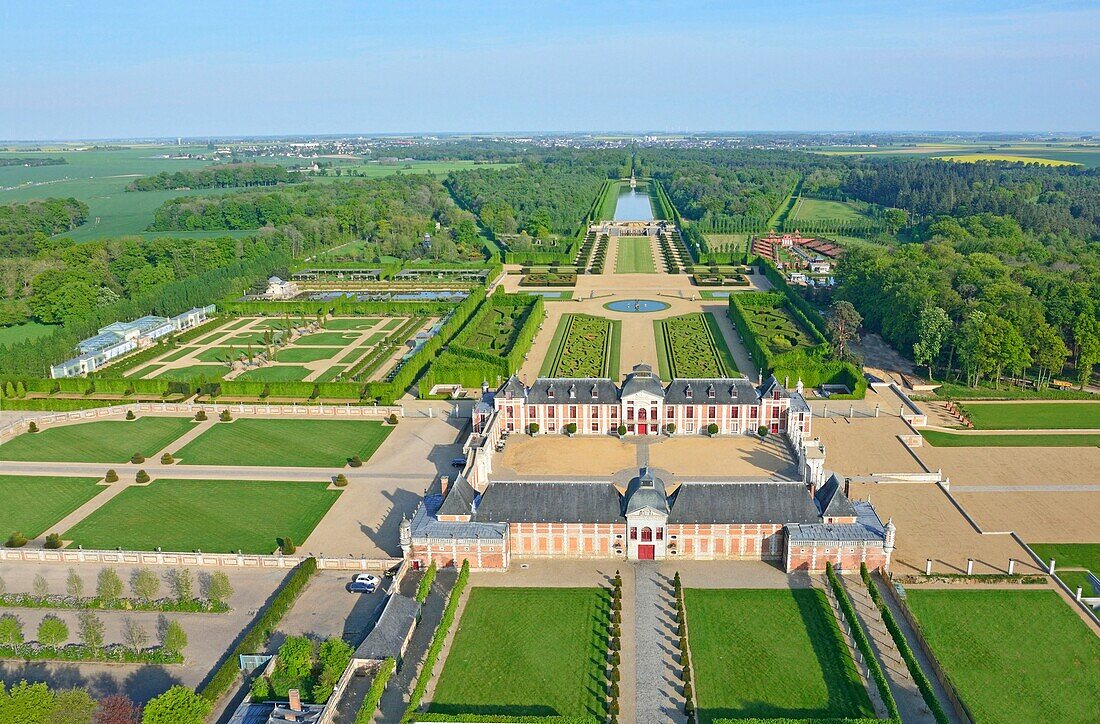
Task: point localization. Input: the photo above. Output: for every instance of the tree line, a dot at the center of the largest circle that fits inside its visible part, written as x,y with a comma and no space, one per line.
33,161
217,177
27,226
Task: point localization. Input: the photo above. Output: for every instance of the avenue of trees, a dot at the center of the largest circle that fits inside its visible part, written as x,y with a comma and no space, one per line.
216,177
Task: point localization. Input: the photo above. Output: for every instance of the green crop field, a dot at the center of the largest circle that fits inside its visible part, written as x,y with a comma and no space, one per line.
936,438
770,654
285,443
1070,555
692,345
1034,415
527,652
215,516
307,354
22,332
33,503
583,346
102,441
276,373
635,256
1087,155
1013,655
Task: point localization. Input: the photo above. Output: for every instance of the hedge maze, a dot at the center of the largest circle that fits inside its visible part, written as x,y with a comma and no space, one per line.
774,327
691,345
583,346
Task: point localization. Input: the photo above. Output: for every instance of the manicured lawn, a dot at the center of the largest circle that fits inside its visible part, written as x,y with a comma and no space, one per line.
692,345
392,324
1079,579
330,374
32,503
635,256
527,652
1070,555
936,438
1014,656
824,210
222,354
351,323
291,443
194,372
330,339
770,654
583,346
1034,415
216,516
307,354
22,332
102,441
177,354
276,373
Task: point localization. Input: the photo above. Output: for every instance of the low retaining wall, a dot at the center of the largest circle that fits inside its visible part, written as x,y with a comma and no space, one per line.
211,560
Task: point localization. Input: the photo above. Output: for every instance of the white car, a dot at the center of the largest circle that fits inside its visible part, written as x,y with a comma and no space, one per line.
367,578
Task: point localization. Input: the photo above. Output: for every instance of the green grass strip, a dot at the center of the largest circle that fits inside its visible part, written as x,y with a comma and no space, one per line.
936,438
436,645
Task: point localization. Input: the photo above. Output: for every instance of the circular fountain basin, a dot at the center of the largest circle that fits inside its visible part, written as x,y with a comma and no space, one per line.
636,305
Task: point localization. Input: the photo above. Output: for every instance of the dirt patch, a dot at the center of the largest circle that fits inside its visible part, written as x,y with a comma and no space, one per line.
1037,517
864,446
547,456
997,466
723,457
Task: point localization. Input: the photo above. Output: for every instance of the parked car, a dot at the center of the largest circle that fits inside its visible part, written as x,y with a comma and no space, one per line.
458,462
360,587
367,578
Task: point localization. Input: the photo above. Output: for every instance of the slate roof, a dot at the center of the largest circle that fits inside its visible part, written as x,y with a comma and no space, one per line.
832,501
743,503
585,390
646,491
385,639
867,527
642,379
513,389
461,498
770,385
550,502
798,403
424,524
735,391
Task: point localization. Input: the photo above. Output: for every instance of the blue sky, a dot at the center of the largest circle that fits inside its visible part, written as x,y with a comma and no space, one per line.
123,69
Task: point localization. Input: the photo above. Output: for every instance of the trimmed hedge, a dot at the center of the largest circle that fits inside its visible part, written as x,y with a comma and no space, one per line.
494,718
115,653
374,694
925,686
863,644
255,638
425,585
436,646
780,283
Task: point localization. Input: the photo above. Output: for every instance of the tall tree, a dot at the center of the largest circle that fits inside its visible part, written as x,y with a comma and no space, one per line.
933,328
843,325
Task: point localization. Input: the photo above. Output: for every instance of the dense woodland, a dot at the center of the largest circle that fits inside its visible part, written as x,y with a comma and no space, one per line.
25,228
391,214
33,161
217,177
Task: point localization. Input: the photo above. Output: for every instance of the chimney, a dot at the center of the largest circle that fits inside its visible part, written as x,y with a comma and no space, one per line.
444,483
295,703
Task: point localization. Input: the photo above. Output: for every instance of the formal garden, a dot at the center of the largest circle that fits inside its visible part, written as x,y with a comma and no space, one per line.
583,346
101,441
770,654
1013,655
214,516
692,345
33,503
635,256
285,443
527,652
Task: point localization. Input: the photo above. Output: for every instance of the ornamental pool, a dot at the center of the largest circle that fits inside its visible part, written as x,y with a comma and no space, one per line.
636,305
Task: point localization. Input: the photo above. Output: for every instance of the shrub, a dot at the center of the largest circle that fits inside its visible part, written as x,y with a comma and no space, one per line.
340,480
286,545
355,461
137,458
111,476
712,429
167,459
762,431
32,427
200,415
16,540
670,428
571,428
142,477
130,415
424,588
622,430
392,419
533,428
53,541
225,416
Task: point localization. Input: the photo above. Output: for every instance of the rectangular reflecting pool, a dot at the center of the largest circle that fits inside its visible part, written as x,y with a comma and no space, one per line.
633,204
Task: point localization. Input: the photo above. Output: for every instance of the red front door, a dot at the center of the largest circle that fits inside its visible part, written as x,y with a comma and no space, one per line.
645,553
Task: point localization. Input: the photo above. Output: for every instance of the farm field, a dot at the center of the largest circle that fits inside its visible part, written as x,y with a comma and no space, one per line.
527,652
284,443
1014,655
1070,555
936,438
746,645
215,516
17,333
102,441
806,209
1011,158
1034,415
583,346
379,169
692,345
635,256
33,503
1086,155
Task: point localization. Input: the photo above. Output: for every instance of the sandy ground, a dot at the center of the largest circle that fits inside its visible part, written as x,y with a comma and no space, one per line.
1051,517
724,457
864,446
1000,466
547,456
930,526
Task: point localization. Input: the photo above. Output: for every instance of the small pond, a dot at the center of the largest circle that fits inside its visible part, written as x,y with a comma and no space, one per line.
636,305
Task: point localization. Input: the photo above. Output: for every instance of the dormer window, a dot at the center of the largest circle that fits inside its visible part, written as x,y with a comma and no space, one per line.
595,392
688,392
775,395
710,392
549,393
733,391
572,392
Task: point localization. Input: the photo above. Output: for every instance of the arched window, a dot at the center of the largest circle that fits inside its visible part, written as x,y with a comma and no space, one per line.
647,535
